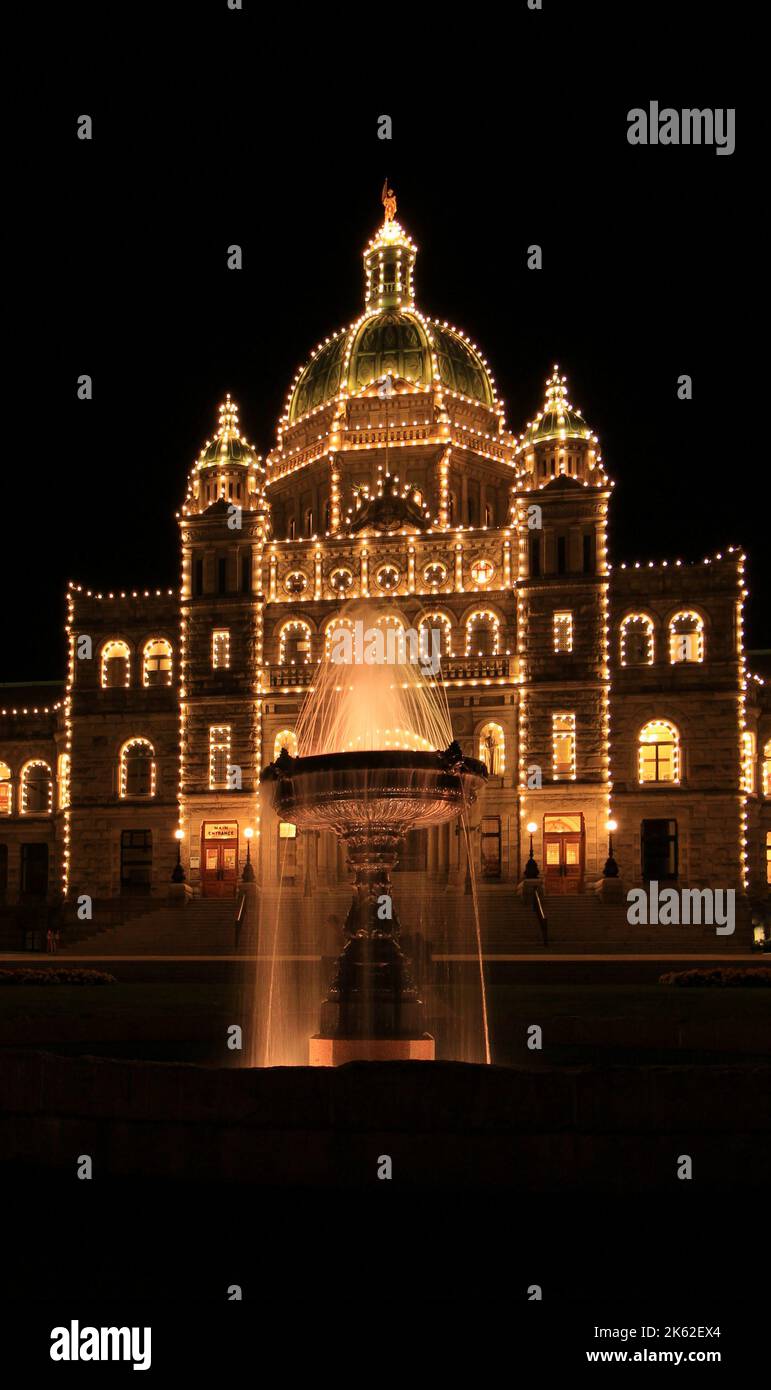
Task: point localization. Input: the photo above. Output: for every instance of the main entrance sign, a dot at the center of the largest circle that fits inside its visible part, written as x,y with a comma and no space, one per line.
219,858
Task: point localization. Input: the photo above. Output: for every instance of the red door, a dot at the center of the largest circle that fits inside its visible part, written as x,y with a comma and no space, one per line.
219,862
563,852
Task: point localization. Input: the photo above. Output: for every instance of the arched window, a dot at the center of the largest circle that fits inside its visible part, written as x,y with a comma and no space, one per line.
436,622
659,752
116,665
294,643
137,768
749,753
37,788
157,662
482,633
287,738
334,625
64,780
492,749
767,768
6,790
686,638
637,640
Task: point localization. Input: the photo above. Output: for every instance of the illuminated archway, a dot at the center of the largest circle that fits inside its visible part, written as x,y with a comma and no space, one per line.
637,640
137,768
492,749
157,661
659,752
37,788
115,665
686,637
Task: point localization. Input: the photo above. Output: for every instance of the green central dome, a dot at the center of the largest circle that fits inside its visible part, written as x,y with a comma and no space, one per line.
393,338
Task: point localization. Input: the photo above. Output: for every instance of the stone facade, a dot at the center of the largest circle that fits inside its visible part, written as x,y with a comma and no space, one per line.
395,479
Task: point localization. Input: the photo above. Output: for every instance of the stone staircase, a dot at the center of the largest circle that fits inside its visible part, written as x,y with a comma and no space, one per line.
202,926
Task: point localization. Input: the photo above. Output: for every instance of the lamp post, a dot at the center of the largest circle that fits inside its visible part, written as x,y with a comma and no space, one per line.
611,867
248,874
178,873
531,868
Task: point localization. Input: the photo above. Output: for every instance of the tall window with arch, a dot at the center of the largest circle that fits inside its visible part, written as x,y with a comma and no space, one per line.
116,665
157,662
285,738
659,752
492,749
37,788
294,643
767,768
137,768
637,640
686,638
436,622
6,790
482,633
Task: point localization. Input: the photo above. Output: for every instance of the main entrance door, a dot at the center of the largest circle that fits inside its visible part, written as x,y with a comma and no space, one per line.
563,851
219,858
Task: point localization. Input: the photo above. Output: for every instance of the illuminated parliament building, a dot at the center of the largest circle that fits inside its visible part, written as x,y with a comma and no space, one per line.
597,695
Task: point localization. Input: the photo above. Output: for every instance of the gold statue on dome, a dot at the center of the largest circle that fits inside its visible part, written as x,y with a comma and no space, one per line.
388,199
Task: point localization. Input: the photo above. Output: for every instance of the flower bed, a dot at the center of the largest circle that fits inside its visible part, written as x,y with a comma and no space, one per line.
750,977
56,977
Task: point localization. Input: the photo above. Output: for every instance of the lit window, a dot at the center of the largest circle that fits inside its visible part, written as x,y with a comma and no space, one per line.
749,747
563,632
637,645
492,749
334,626
37,789
157,662
659,752
219,755
6,790
435,574
137,768
294,643
287,739
482,571
686,638
64,780
341,580
220,649
296,582
435,622
388,577
767,769
116,665
482,633
563,739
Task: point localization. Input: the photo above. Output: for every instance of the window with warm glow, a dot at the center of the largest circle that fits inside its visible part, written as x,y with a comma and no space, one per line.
116,665
482,634
220,649
492,749
563,734
6,790
659,752
37,789
294,643
436,622
137,768
767,768
563,632
637,642
686,638
219,755
157,662
287,739
749,748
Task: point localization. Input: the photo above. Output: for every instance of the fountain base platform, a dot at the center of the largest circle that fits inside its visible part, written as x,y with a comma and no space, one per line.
335,1052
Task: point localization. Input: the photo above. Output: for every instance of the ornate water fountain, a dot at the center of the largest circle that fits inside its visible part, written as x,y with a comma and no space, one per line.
371,799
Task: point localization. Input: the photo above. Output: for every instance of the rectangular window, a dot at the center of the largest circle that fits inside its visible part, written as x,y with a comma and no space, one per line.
5,798
219,755
562,555
246,573
198,577
222,575
589,553
658,843
563,747
563,632
535,557
220,649
748,763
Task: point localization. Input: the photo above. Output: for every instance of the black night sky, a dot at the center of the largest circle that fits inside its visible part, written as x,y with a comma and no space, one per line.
220,128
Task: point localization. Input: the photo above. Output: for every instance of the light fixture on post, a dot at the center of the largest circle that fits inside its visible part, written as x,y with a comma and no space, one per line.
178,873
531,868
611,867
248,874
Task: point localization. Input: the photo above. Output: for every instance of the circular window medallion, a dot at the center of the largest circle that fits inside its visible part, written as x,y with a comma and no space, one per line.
296,582
435,573
482,571
388,577
341,580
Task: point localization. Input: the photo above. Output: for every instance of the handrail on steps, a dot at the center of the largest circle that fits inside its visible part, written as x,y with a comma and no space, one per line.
540,911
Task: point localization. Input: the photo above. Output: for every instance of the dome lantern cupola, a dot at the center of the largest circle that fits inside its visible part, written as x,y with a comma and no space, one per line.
389,265
228,468
558,442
